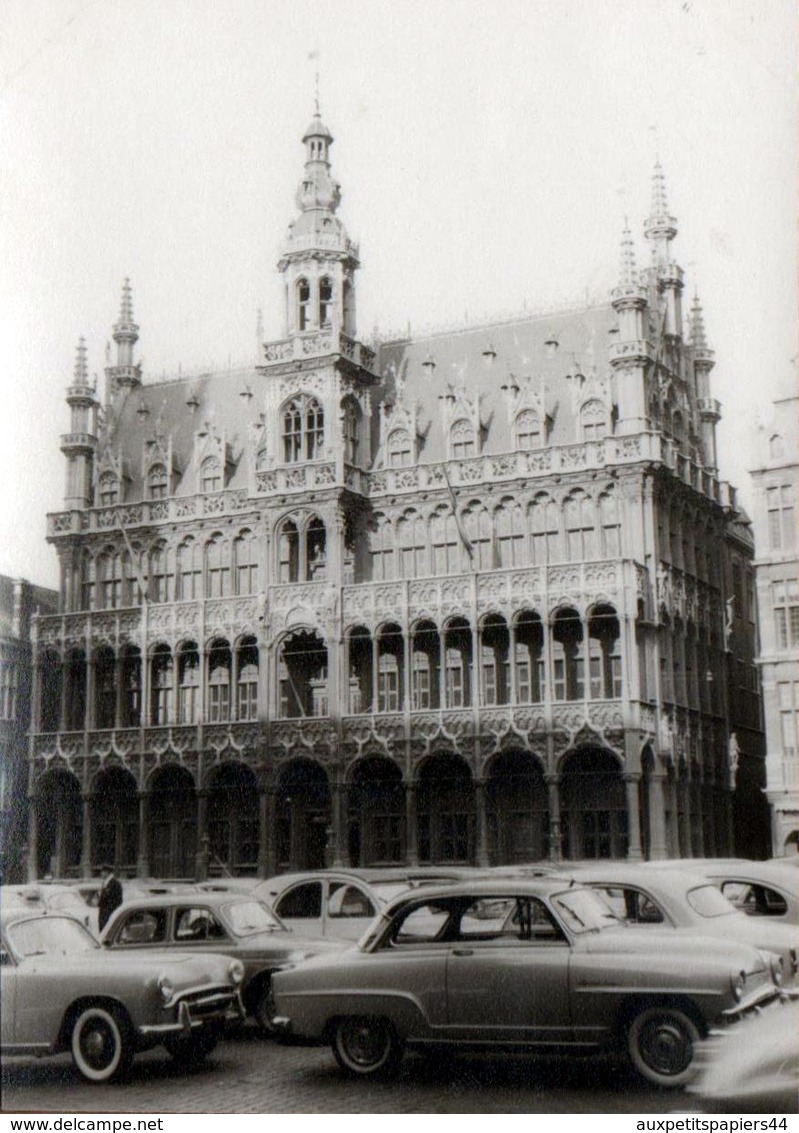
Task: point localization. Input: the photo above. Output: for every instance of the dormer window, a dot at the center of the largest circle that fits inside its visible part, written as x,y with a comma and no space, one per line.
303,430
462,440
157,482
211,475
109,490
528,430
303,304
398,450
325,302
594,421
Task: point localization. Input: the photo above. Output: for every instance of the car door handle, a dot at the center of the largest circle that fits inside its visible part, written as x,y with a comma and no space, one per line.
463,952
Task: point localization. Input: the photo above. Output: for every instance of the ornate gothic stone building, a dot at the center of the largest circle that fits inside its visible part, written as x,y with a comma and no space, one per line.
459,598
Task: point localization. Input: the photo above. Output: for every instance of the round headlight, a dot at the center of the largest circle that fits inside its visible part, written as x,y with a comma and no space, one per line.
166,988
235,972
777,965
738,981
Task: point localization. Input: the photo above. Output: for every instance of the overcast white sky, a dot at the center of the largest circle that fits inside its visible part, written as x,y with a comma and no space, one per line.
487,154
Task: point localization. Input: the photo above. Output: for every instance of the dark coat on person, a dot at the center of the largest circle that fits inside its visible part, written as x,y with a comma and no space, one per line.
109,900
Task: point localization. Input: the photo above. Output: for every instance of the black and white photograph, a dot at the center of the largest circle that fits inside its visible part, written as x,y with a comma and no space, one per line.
399,562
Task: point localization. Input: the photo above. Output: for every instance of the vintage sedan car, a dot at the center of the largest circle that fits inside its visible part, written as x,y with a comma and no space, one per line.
342,903
60,992
752,1067
229,922
759,889
647,894
520,964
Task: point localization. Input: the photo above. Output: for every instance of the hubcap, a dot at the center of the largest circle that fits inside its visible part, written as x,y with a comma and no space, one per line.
97,1045
666,1048
365,1043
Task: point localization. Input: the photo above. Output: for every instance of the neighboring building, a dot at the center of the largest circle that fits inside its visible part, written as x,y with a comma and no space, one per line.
775,483
455,598
19,601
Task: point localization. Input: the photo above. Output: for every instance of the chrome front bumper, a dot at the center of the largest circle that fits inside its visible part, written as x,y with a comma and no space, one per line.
212,1008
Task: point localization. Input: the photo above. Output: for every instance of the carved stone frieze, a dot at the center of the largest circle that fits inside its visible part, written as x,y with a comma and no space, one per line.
606,715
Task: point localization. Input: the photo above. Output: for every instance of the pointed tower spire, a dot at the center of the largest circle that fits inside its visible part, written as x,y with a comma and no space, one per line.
79,445
697,325
125,335
627,267
660,227
81,373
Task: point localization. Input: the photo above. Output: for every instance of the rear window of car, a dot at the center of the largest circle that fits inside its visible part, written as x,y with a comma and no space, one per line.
302,901
708,901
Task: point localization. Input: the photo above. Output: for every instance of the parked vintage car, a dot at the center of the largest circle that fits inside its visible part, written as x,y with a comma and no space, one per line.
759,889
61,992
341,903
645,894
229,922
752,1067
520,963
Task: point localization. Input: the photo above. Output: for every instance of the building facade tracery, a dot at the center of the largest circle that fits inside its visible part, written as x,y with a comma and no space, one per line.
459,597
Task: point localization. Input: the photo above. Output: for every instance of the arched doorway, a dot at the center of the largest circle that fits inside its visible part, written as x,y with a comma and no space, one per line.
115,820
173,823
59,810
302,815
233,824
594,806
445,810
376,821
517,808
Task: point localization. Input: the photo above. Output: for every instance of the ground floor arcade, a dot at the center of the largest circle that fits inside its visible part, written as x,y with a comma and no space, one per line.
237,820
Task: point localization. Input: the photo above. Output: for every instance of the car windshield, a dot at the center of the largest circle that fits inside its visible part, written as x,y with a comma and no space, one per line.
50,936
247,917
708,901
583,910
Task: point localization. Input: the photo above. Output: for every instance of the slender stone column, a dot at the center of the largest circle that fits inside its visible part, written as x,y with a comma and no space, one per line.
657,786
33,837
555,832
482,824
202,850
86,844
264,820
634,852
143,857
411,834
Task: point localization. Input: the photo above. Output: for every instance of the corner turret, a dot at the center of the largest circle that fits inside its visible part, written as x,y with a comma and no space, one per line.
79,445
125,374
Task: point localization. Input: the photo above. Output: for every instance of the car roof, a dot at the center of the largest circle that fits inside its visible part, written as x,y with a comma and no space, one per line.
483,885
192,897
622,873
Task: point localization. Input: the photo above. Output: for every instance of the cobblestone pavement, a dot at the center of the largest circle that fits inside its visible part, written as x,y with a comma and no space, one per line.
248,1075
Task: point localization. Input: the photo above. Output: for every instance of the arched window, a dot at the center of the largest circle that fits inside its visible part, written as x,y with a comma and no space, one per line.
776,446
604,657
351,423
325,301
157,484
528,430
568,662
581,543
110,571
545,529
381,549
189,571
288,543
303,430
211,474
303,304
594,420
462,440
399,453
188,684
412,545
161,686
315,550
87,582
158,589
444,544
611,524
219,665
477,528
108,489
247,680
245,550
510,534
217,568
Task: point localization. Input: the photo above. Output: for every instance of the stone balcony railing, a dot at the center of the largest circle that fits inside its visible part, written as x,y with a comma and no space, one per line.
312,343
487,469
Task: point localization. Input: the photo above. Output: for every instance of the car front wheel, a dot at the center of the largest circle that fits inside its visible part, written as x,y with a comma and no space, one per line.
661,1043
366,1046
101,1047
